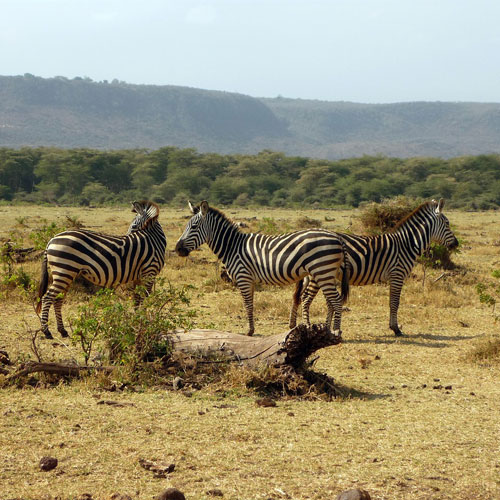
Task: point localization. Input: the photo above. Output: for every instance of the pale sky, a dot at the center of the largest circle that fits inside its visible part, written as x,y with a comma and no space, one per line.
338,50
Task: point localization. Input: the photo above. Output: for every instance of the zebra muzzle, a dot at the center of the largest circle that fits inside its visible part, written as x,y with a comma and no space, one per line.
181,250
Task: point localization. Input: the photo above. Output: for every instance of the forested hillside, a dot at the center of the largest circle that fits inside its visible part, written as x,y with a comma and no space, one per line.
115,115
172,175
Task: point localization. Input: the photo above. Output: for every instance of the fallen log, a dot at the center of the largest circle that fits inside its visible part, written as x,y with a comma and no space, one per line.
290,348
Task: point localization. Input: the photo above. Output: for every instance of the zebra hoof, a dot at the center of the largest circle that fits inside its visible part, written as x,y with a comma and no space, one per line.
399,333
250,333
63,332
337,333
47,334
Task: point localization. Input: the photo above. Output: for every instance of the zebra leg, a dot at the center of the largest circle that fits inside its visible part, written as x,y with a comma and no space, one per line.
55,296
148,284
47,301
247,290
58,310
334,304
394,296
299,285
310,292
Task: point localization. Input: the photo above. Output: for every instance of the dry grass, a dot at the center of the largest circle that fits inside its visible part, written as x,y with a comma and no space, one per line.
419,417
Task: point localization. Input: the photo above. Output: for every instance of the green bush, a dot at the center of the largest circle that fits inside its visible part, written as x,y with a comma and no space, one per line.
11,276
42,235
131,335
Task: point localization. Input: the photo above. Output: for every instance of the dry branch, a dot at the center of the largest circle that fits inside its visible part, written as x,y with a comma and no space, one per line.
56,369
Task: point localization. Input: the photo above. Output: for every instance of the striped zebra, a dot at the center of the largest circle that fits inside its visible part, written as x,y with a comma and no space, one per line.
386,258
278,260
105,260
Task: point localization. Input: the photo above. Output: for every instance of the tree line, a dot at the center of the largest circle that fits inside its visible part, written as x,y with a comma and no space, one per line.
172,175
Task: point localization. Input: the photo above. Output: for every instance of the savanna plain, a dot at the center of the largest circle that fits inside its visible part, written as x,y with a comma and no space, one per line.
416,417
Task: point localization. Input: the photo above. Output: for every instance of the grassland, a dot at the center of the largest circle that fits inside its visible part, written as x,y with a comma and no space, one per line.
419,417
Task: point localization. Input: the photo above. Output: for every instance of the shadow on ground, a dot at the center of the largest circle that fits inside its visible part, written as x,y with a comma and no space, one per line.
419,339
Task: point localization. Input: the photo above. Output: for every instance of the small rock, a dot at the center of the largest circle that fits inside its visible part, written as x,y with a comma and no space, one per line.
449,387
171,494
48,463
215,493
177,383
356,494
266,402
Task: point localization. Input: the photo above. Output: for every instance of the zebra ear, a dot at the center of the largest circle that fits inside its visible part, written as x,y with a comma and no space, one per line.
136,207
440,206
204,208
192,208
152,210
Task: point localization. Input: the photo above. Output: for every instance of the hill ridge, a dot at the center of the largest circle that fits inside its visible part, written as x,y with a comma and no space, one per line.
72,113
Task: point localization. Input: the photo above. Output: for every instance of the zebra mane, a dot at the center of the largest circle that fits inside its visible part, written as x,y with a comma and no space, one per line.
421,208
221,215
148,209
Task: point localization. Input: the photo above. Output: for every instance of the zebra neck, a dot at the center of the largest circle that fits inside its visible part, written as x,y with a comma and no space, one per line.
225,238
158,234
414,236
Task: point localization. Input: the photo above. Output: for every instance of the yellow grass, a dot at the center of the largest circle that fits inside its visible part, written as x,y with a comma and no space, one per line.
397,432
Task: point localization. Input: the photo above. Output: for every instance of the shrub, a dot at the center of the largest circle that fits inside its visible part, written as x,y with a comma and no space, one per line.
42,235
269,225
132,335
380,217
489,293
12,276
486,351
306,222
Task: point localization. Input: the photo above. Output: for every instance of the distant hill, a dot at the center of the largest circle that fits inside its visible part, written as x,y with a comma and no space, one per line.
81,113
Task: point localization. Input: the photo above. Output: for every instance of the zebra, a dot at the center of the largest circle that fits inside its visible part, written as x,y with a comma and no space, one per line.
102,259
279,260
388,257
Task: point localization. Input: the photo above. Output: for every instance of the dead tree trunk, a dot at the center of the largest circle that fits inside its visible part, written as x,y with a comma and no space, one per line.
289,348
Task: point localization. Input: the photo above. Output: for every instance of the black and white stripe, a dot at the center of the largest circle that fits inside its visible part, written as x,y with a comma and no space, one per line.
279,260
388,257
105,260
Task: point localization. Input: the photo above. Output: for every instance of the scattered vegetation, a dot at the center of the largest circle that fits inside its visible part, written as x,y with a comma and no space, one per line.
489,293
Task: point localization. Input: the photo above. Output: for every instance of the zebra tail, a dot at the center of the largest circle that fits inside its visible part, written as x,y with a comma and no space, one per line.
44,283
346,276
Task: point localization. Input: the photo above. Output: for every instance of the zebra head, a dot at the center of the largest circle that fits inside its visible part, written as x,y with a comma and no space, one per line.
196,232
146,213
441,231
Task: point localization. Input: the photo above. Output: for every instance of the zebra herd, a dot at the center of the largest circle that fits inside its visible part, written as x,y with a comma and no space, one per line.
313,259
